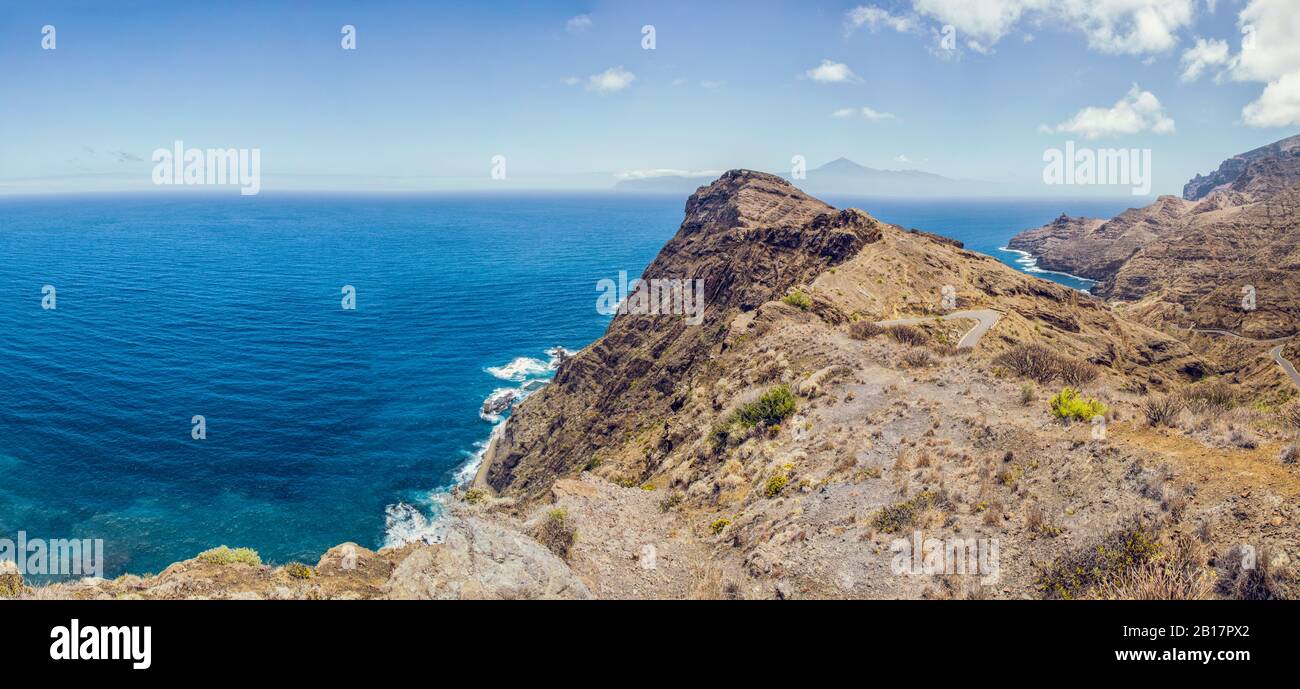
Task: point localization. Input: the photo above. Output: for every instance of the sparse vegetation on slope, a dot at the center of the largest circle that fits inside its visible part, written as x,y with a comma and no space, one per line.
556,533
798,300
224,555
1041,364
1068,404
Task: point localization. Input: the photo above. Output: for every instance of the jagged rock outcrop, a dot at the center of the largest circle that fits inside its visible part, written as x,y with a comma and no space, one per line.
476,560
1224,258
11,579
1191,261
635,464
753,237
750,237
1095,249
1257,174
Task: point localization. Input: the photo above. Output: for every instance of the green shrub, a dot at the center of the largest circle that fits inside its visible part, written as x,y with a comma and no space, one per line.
892,518
557,532
776,484
1210,396
475,495
1097,566
1069,405
717,526
228,556
298,570
772,408
722,432
799,300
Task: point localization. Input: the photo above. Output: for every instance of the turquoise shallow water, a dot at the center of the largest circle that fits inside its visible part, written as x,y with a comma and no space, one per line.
323,424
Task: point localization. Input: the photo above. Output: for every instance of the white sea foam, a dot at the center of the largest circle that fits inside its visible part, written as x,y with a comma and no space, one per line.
520,369
557,355
1029,263
500,396
405,523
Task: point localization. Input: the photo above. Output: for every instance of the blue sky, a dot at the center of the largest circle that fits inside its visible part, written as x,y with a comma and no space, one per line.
434,90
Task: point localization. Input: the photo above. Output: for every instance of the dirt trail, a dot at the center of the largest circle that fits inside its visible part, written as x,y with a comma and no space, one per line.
1218,473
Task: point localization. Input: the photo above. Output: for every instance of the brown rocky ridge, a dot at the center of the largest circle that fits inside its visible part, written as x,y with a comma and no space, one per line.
1223,258
786,445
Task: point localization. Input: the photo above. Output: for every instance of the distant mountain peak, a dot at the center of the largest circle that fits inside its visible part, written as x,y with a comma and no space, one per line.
841,164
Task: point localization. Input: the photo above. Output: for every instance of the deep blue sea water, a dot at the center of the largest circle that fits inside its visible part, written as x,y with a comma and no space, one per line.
324,425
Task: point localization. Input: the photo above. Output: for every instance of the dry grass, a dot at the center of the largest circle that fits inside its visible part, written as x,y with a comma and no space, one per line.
907,335
1161,410
557,532
1076,373
1242,438
1251,577
1290,415
864,330
1176,574
1036,521
1212,396
918,358
1040,363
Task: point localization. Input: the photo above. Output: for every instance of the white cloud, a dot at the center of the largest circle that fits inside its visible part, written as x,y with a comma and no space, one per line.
1202,56
578,24
874,17
611,80
1137,111
708,84
571,81
1269,52
1133,27
1278,106
984,21
665,172
679,81
831,73
866,113
1269,44
902,159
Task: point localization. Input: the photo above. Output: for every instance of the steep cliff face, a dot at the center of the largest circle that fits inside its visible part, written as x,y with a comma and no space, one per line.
748,236
636,442
1257,174
1095,249
633,475
1193,261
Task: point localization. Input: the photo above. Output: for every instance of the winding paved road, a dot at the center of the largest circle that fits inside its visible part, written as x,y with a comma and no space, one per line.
985,319
1275,353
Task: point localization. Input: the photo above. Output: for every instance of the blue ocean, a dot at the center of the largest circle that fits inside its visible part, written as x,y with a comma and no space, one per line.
323,424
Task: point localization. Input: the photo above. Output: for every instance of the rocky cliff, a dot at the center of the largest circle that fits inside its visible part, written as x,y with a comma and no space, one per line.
1223,257
1257,174
785,444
